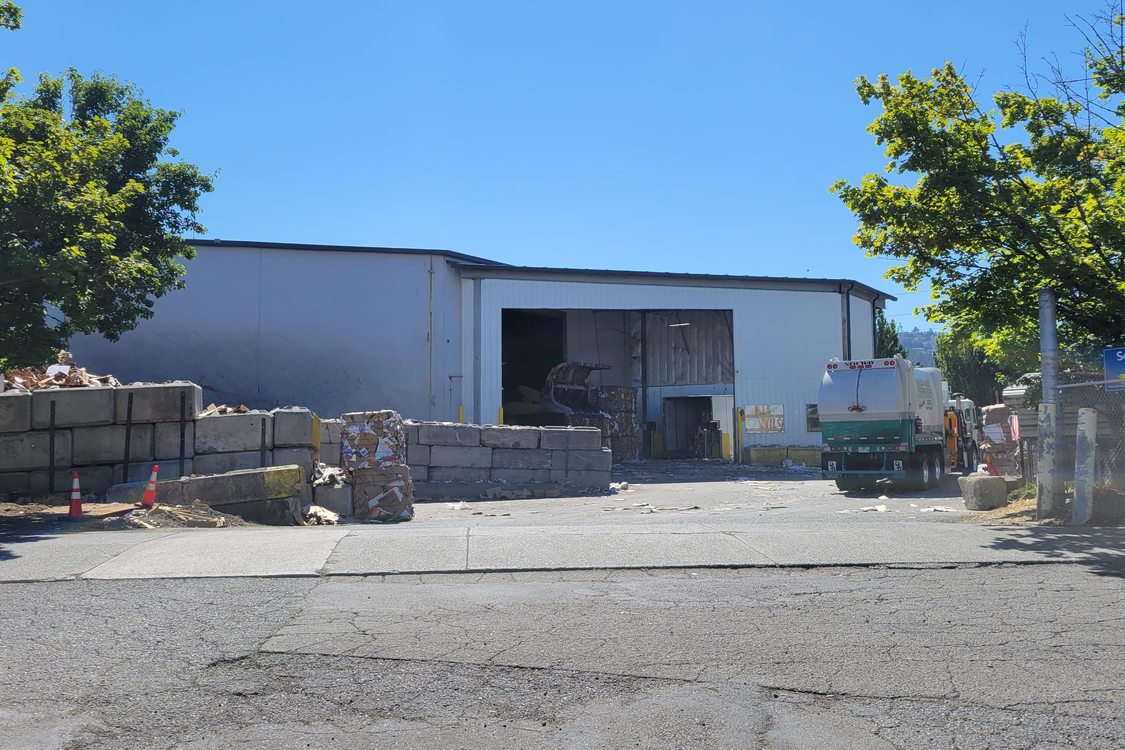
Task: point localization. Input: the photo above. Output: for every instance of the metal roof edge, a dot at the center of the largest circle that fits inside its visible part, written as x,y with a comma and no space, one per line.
466,260
726,279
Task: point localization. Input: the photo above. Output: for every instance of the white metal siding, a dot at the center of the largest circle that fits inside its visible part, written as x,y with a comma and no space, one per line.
336,331
863,344
782,338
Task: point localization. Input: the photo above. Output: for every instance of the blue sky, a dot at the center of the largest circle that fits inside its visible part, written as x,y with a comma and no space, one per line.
666,136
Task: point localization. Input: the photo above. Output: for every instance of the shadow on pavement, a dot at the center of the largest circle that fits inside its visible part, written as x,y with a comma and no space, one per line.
1103,549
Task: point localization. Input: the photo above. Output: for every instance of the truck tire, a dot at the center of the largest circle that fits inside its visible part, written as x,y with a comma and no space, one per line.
847,484
919,476
969,459
937,469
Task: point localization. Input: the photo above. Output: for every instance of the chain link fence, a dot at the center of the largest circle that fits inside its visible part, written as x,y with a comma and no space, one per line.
1107,469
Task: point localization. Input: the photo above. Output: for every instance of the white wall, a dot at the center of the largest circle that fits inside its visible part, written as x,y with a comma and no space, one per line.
863,343
336,331
782,338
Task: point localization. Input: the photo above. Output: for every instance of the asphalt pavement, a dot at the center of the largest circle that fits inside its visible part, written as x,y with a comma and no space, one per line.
762,612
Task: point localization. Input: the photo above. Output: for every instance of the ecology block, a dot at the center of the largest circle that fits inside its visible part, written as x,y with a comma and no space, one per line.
983,492
73,406
521,475
302,457
510,437
330,453
446,455
457,474
220,463
167,440
335,499
295,427
158,402
270,483
231,433
15,411
106,444
20,451
571,438
599,460
448,433
90,479
330,431
512,458
418,455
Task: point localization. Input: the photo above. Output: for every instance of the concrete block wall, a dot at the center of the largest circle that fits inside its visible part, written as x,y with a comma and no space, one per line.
91,424
462,460
89,432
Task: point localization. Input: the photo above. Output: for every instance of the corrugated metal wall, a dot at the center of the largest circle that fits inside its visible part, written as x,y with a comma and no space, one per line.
690,347
782,338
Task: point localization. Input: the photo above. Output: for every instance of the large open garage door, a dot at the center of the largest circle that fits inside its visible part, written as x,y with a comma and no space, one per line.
623,370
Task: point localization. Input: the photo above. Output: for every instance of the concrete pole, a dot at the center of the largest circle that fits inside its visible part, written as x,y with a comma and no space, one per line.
1049,346
1085,463
1048,486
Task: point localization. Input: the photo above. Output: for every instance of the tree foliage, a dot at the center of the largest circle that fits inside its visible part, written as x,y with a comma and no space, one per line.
887,343
93,206
989,202
967,370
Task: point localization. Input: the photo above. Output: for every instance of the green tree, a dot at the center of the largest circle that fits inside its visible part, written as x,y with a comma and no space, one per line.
93,206
968,370
887,343
991,202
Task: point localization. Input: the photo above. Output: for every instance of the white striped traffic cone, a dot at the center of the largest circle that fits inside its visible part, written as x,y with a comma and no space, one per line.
75,498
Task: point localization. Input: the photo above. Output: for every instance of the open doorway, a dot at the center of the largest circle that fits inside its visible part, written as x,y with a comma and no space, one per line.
532,342
690,429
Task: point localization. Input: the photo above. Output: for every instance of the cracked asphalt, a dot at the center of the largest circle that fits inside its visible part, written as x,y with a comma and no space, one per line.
858,657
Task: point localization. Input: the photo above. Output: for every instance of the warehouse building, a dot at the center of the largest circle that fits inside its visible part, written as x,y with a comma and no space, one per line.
439,335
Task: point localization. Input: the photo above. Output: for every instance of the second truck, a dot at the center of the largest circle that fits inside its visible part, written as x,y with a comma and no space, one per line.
885,419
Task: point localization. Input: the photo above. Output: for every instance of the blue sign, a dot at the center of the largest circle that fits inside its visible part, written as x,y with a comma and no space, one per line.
1115,368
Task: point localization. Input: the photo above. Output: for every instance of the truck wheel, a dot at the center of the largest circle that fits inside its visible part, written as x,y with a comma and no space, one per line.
937,469
920,476
969,459
847,484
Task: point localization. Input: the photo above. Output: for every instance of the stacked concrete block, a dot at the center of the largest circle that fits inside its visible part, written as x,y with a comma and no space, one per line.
15,411
233,442
330,431
458,460
91,427
336,499
296,439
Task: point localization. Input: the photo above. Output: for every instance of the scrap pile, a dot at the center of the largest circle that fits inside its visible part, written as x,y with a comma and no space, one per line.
61,375
161,516
373,453
224,409
618,420
1001,447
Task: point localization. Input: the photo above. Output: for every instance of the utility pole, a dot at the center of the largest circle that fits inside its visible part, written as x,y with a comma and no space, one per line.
1047,482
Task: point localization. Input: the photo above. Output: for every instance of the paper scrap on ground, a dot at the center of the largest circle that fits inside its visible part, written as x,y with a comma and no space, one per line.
938,509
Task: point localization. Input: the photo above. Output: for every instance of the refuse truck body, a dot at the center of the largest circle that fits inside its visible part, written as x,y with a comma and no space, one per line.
882,419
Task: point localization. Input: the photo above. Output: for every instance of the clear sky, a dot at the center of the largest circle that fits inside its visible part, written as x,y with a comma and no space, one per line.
667,136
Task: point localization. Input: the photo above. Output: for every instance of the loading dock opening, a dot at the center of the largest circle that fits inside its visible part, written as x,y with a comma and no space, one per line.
661,357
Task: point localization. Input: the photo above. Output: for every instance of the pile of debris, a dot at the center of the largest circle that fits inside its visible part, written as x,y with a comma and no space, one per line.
224,409
161,516
61,375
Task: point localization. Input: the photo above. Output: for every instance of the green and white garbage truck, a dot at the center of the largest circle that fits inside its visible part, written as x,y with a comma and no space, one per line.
882,419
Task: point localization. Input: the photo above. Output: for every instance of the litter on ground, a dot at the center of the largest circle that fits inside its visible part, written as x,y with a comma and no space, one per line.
318,516
938,509
876,509
161,516
459,505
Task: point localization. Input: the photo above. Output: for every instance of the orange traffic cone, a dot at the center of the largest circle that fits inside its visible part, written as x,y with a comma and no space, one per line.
149,497
75,499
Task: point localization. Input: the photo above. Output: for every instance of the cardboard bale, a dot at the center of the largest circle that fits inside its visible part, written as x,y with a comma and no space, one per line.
383,495
372,440
373,453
